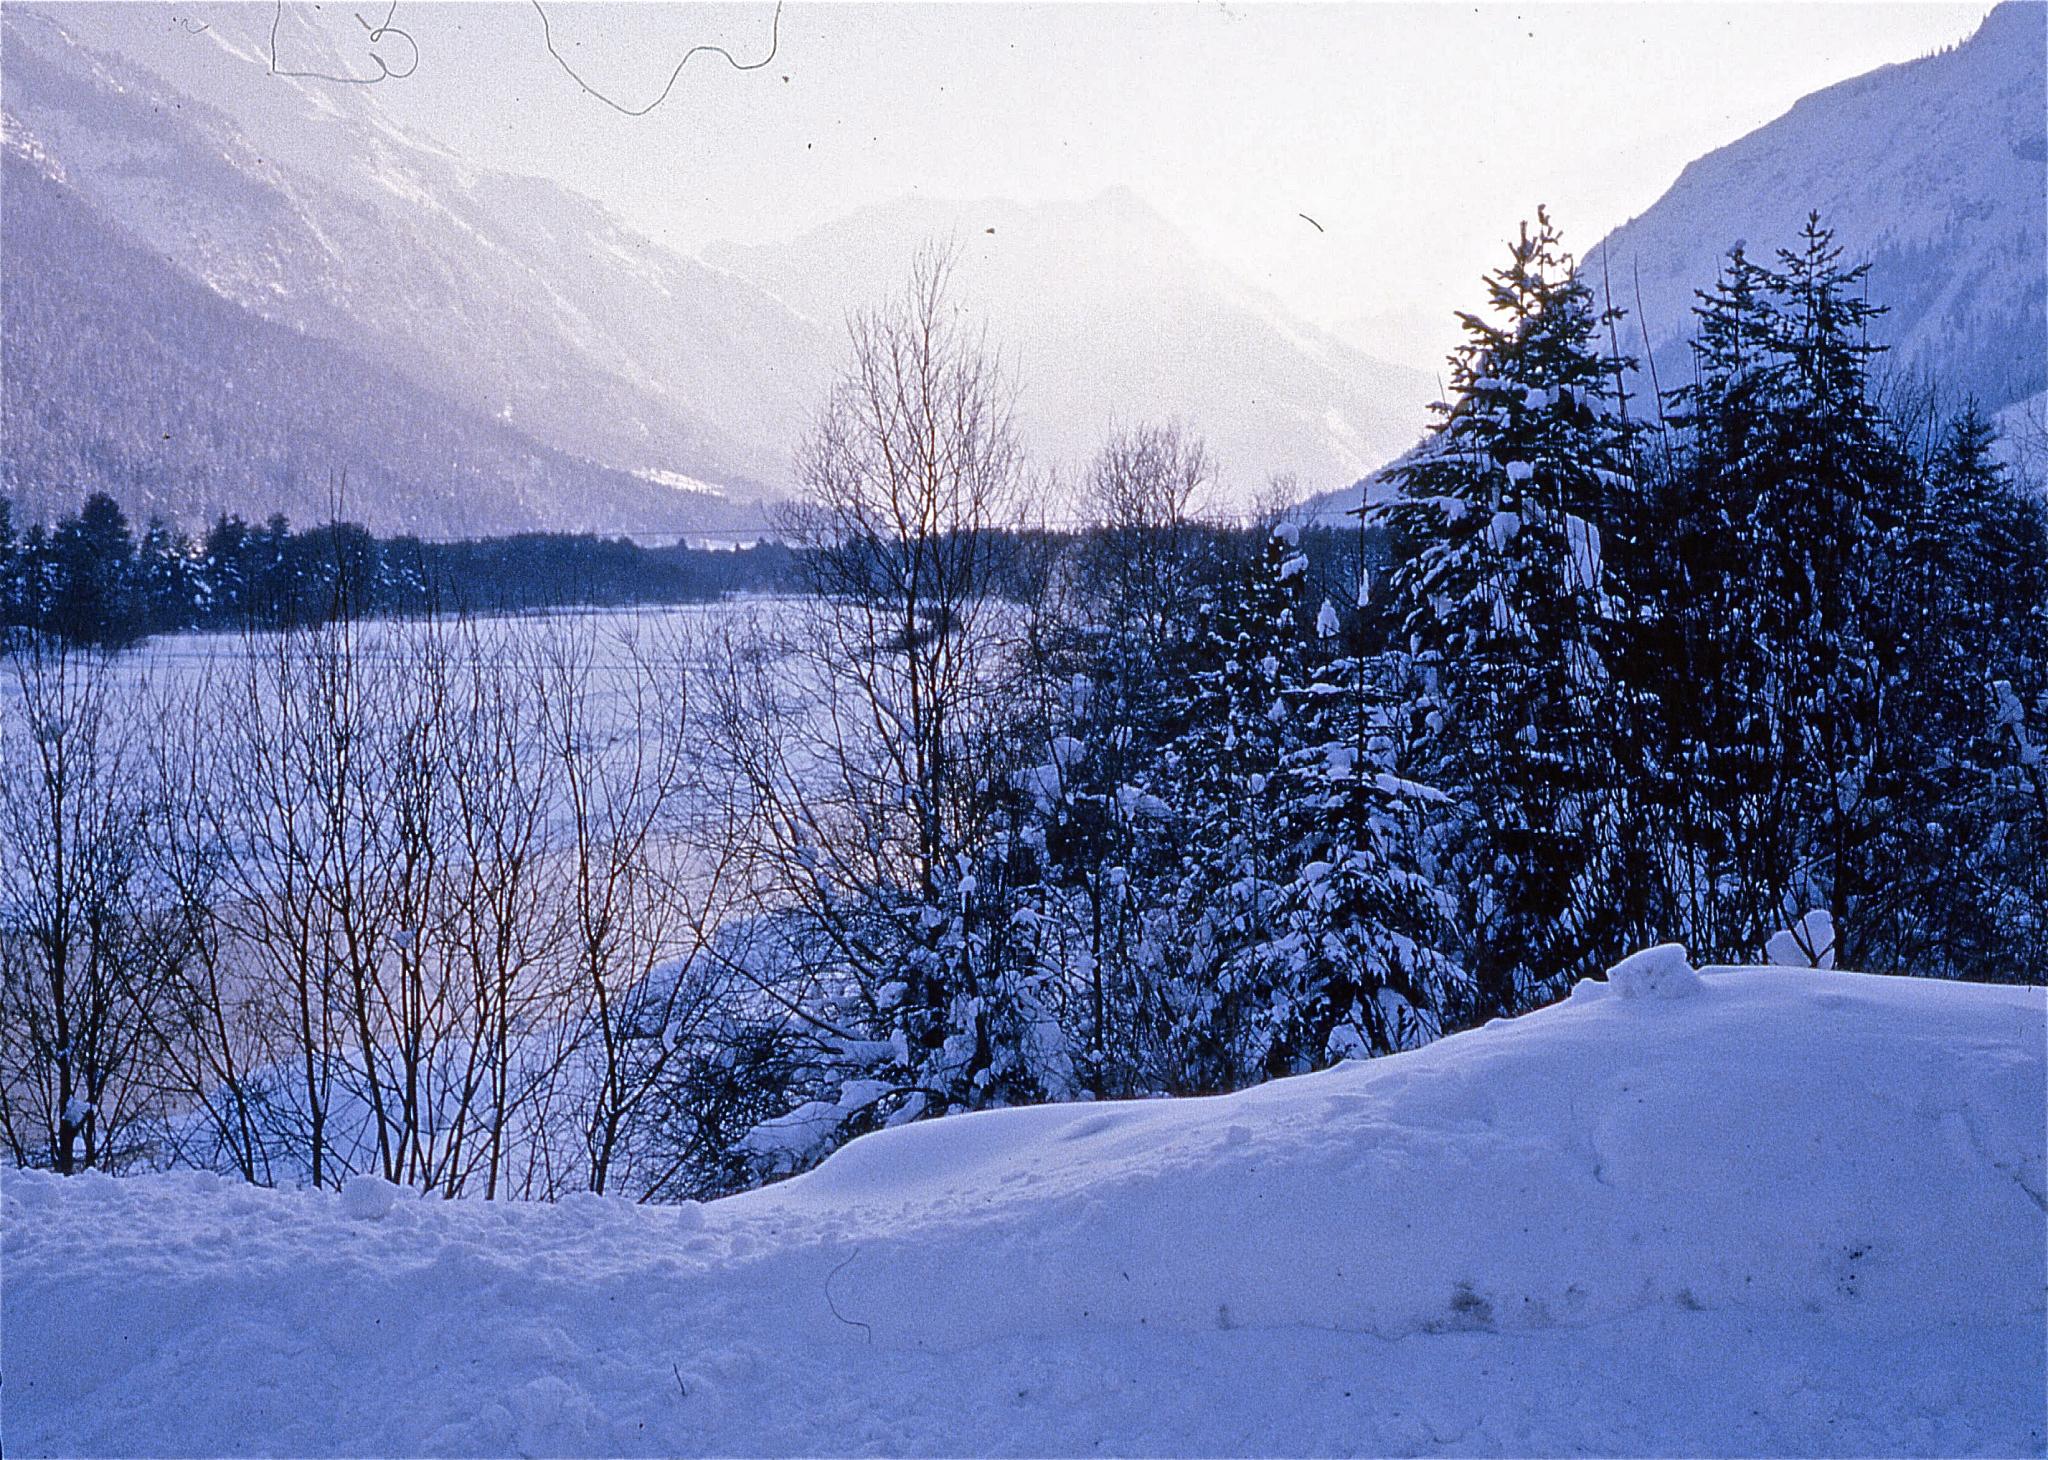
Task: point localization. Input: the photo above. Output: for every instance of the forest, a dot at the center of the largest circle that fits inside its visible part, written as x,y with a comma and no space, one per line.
971,815
91,580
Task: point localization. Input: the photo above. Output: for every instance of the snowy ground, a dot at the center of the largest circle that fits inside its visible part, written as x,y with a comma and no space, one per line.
1767,1211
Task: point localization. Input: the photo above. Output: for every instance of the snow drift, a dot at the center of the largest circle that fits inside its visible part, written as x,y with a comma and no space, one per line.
1754,1211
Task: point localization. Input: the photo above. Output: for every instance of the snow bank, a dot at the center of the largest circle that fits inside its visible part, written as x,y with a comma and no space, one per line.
1797,1211
368,1198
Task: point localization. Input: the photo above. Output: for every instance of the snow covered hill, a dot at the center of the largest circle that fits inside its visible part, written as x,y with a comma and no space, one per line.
1933,170
1783,1211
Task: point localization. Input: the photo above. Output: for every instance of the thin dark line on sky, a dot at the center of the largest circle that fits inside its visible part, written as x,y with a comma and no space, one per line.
774,44
1312,222
377,34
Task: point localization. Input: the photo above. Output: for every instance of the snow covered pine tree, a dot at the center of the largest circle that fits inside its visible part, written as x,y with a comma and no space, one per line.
1320,936
1501,586
1353,964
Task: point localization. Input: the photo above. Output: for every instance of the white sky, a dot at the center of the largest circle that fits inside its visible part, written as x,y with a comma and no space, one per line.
1417,135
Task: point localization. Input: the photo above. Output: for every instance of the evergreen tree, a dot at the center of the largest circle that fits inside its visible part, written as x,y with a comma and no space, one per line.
1352,961
1793,506
1311,931
1963,605
1503,594
1722,794
167,579
274,589
12,589
1223,783
92,557
1832,504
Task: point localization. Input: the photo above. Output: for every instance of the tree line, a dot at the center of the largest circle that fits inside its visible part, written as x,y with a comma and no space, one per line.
91,579
987,816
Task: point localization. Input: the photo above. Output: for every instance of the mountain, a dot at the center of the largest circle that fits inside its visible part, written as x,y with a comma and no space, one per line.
214,141
502,298
1934,171
119,373
1107,312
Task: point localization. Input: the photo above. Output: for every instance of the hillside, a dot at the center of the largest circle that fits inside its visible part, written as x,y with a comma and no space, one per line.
118,373
1782,1212
512,300
1107,313
1932,170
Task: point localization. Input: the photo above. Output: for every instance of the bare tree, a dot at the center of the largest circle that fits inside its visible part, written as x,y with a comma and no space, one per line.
911,473
496,925
217,1048
648,862
870,727
86,951
1144,494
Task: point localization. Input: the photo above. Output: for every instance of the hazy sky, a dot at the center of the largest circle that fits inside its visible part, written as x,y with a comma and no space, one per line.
1415,135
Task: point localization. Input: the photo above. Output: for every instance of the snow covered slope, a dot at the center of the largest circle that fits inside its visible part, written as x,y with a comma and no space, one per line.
1783,1211
1934,171
119,372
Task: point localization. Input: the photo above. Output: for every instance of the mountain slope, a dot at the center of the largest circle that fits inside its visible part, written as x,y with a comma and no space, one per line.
1794,1212
118,373
1934,170
306,206
1108,312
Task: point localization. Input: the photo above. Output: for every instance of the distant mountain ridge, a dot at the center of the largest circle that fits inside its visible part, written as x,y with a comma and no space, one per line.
1108,313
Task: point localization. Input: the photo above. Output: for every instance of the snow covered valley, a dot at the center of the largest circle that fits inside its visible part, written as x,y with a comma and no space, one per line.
1783,1211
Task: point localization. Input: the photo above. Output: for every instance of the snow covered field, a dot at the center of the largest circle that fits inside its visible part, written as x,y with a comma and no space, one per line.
1764,1211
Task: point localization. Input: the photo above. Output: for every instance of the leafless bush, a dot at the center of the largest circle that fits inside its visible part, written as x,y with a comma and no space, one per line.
86,948
427,899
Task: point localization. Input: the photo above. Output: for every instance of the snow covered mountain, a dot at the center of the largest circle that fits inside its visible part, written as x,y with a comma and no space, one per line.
1934,170
119,372
1108,312
516,304
1763,1211
507,299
